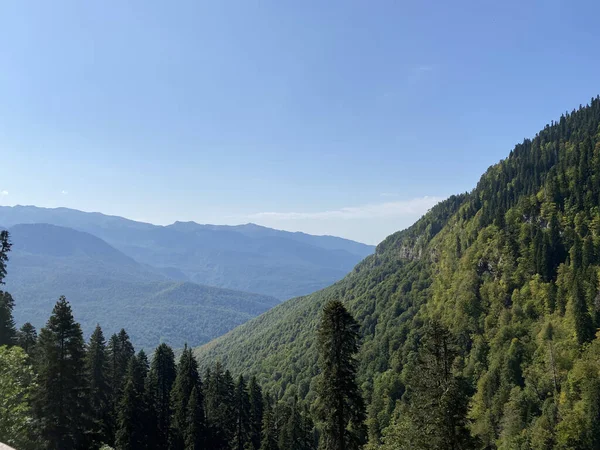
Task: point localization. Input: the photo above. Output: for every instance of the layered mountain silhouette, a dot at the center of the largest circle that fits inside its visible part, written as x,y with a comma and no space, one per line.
245,257
180,283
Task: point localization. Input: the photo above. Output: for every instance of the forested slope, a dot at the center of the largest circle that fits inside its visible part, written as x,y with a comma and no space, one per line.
508,273
106,286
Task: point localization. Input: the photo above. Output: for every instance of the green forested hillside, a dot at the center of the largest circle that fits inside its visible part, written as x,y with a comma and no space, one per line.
109,287
506,276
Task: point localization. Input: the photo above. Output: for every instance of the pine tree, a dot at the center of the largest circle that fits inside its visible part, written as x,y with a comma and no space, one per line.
27,338
120,351
186,381
220,410
584,329
5,246
131,429
243,430
269,432
195,428
143,367
8,332
340,405
256,412
308,430
434,414
292,434
97,370
61,403
160,382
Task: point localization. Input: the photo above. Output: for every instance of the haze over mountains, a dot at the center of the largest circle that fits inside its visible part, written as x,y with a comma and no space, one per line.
180,283
245,257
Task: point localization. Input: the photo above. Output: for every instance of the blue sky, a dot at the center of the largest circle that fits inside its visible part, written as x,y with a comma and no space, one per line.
349,118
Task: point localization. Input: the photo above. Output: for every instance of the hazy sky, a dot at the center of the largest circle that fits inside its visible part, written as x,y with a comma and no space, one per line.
349,118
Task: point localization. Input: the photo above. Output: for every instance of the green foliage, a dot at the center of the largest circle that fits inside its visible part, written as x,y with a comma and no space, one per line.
188,431
433,413
510,269
27,338
256,412
220,406
340,406
99,392
131,432
269,426
243,427
17,381
5,246
61,399
160,382
195,432
8,333
120,351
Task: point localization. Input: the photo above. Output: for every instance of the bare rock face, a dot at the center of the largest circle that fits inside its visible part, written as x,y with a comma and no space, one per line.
5,447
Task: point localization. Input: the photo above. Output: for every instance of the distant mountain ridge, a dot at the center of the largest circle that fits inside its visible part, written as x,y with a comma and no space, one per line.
247,257
108,287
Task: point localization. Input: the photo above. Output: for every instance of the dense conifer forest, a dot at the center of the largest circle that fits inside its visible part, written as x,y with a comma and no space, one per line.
58,392
476,328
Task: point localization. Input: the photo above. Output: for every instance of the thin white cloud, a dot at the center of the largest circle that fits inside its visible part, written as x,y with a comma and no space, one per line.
418,72
423,68
63,192
400,208
4,193
388,194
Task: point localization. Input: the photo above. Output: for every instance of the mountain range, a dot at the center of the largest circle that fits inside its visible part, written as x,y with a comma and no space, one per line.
247,257
176,284
508,275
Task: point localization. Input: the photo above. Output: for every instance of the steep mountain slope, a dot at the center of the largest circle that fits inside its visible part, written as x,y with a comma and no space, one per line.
246,257
106,286
510,270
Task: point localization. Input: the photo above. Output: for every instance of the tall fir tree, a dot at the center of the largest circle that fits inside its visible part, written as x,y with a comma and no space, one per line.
434,412
120,351
97,370
61,406
340,405
8,332
194,436
159,384
308,430
292,434
131,419
256,412
269,436
144,366
186,381
27,338
5,246
243,429
220,409
582,321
